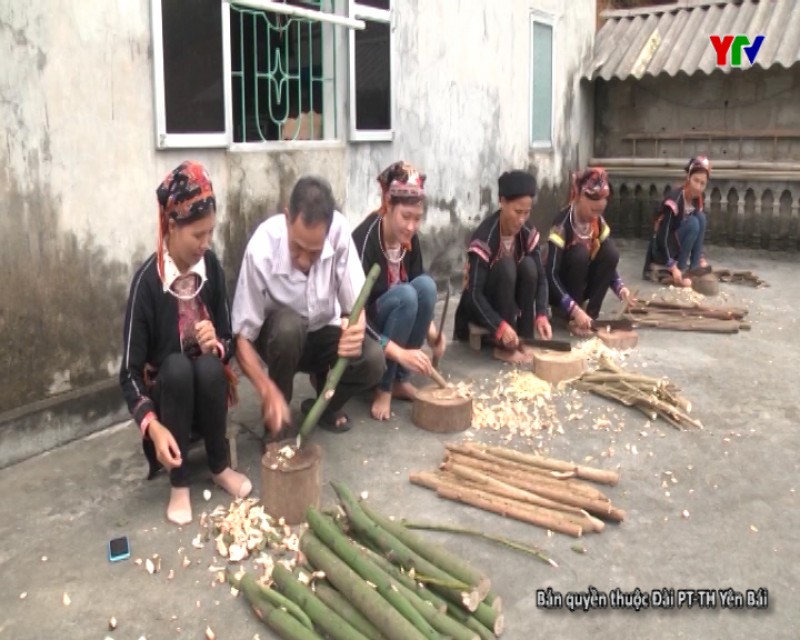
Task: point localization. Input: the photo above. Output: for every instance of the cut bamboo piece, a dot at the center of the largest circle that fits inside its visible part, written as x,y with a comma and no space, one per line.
502,507
502,489
508,467
602,476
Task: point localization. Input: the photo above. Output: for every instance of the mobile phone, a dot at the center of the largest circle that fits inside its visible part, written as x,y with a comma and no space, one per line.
119,549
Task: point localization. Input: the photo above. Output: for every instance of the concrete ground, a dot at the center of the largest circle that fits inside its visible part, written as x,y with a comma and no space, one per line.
736,478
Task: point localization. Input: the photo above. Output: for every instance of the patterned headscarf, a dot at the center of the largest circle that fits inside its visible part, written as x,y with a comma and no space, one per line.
698,163
592,183
186,194
402,180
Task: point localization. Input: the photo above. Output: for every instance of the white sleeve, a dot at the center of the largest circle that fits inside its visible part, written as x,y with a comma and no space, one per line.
251,299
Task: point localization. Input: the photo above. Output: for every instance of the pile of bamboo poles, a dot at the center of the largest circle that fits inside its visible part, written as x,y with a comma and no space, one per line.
655,397
368,577
678,316
545,492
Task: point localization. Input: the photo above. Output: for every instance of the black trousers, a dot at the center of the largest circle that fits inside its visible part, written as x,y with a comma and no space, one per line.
511,291
586,279
191,395
288,347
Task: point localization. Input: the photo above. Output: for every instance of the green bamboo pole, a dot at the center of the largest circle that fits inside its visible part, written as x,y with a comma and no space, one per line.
432,552
507,542
357,560
280,601
457,613
399,552
398,574
366,599
336,601
326,619
283,623
313,416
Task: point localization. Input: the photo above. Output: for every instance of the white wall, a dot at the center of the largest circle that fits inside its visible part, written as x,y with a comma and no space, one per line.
79,165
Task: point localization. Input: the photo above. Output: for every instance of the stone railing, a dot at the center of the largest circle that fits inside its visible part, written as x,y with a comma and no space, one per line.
760,212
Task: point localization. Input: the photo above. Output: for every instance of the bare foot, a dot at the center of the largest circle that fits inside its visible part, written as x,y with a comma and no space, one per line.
513,356
382,405
233,482
683,282
404,390
179,509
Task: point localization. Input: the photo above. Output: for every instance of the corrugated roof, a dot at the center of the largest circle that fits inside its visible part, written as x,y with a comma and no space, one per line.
674,38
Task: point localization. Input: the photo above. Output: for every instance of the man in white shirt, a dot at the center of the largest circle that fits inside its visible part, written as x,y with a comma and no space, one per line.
300,277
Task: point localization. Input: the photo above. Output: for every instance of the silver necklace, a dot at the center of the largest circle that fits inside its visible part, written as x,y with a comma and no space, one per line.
584,232
397,260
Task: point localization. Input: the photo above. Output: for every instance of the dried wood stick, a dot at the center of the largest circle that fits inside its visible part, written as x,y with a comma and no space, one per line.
507,470
602,476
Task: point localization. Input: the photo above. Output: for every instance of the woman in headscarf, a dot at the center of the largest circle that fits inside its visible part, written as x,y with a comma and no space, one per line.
582,258
177,342
680,228
401,304
505,289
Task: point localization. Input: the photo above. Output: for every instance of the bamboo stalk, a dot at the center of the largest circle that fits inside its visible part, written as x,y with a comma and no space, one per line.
450,490
367,600
335,374
283,623
507,470
499,488
507,542
471,623
601,476
401,576
389,544
434,553
323,616
327,532
282,602
337,602
487,502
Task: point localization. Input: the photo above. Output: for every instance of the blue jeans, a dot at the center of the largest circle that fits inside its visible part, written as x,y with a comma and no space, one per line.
404,314
691,235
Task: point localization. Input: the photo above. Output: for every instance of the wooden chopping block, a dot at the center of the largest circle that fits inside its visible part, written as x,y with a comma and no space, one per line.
555,366
708,284
620,340
476,333
290,485
441,410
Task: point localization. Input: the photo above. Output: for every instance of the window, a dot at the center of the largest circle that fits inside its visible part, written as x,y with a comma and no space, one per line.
255,73
371,71
541,82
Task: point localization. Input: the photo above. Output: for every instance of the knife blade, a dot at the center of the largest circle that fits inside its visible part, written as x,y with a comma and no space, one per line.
552,345
441,322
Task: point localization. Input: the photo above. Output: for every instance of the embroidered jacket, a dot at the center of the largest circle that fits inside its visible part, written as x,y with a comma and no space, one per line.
562,237
670,216
367,238
484,250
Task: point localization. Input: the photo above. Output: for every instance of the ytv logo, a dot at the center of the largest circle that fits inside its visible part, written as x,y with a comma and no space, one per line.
735,45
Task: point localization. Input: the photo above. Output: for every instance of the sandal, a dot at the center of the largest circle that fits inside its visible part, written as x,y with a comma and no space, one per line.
329,418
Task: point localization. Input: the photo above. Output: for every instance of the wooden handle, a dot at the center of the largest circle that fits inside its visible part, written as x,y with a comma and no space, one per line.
438,379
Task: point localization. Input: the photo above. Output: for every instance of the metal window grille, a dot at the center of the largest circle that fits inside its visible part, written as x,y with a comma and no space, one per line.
283,79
